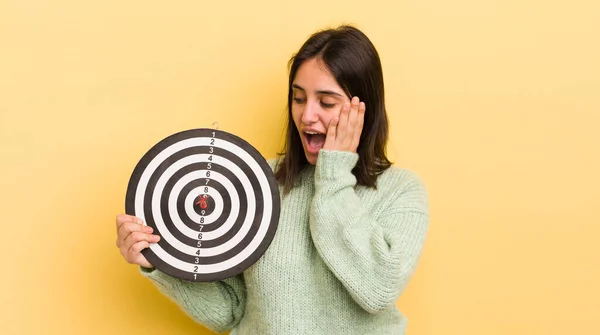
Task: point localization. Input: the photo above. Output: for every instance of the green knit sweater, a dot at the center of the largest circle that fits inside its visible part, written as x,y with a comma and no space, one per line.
341,257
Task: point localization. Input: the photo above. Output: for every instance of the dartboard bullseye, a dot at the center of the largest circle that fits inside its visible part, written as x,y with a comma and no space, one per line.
211,197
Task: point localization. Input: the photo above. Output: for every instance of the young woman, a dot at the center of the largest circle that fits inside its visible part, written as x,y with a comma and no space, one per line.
351,227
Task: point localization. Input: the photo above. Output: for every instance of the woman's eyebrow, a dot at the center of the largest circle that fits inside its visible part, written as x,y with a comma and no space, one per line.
323,92
298,87
329,93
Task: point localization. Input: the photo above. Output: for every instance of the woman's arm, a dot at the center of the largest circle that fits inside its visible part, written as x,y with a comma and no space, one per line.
217,305
375,253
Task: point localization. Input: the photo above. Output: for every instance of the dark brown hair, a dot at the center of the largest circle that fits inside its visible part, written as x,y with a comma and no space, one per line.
354,63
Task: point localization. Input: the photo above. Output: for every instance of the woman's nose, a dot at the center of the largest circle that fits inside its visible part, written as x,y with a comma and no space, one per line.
310,114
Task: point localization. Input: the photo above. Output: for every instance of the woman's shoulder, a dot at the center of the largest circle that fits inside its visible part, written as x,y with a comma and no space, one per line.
273,162
402,188
397,179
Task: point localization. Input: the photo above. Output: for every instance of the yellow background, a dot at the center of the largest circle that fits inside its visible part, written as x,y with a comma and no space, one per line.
496,104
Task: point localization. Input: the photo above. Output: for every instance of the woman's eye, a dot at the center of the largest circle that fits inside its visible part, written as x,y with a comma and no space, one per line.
326,105
299,100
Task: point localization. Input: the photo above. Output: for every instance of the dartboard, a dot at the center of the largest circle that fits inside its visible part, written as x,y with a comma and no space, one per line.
213,200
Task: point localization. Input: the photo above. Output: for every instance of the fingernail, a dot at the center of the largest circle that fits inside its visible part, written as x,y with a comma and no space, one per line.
355,100
156,238
149,229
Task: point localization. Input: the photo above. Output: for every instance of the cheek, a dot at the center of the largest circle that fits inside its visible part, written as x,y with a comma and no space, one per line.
327,117
296,115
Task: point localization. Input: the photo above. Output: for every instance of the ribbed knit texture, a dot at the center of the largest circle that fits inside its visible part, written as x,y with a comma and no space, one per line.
341,257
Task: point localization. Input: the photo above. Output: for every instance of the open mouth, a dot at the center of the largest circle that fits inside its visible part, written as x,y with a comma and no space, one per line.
314,141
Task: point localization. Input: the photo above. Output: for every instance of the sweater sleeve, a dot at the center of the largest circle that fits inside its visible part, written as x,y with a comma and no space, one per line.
217,305
372,254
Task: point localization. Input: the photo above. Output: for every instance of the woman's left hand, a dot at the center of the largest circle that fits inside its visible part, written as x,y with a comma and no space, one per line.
343,132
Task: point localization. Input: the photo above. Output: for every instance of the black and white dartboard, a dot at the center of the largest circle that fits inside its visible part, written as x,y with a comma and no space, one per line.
213,200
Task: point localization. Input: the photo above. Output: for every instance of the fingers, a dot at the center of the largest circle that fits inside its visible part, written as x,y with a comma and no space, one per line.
139,246
136,254
136,237
343,132
360,119
352,123
133,245
349,127
122,218
342,127
128,228
330,137
132,238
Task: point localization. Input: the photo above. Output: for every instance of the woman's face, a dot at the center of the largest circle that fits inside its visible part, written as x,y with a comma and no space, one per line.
317,99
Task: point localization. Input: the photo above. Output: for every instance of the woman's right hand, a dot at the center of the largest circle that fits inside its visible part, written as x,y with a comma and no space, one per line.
132,237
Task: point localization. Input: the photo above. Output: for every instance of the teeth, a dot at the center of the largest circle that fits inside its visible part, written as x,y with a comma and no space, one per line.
311,133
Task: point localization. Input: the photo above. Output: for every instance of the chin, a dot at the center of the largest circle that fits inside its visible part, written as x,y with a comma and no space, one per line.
312,159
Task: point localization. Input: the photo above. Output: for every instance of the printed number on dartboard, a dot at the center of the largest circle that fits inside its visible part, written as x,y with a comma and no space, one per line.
203,212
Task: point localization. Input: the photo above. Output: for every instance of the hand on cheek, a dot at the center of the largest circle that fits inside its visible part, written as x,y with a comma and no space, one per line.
343,132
